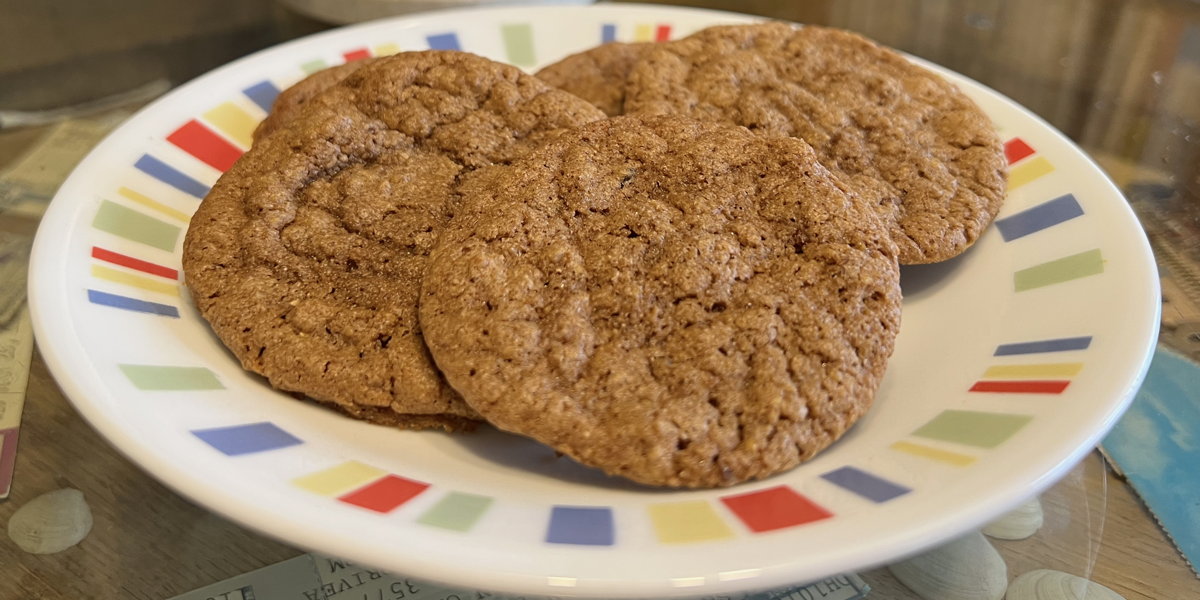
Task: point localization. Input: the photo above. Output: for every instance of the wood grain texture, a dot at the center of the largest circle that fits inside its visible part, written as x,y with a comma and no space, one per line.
147,541
1095,527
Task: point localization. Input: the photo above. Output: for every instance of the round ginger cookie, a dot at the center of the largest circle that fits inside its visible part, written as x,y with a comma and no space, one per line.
901,136
306,256
597,74
682,303
291,101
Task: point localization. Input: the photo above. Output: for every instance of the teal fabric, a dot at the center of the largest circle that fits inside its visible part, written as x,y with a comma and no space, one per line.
1157,445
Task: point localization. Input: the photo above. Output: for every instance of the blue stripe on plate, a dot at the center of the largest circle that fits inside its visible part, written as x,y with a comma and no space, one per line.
263,94
608,32
871,487
581,525
246,439
1043,216
170,176
443,41
1038,347
133,304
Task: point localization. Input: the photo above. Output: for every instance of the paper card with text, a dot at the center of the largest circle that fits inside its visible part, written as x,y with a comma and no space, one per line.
314,577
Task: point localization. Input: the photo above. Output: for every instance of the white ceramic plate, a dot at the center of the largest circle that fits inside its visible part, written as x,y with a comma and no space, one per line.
1012,362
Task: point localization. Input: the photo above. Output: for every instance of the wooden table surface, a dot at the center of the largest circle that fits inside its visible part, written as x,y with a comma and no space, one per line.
148,542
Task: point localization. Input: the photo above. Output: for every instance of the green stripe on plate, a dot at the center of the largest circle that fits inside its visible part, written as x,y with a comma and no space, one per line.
973,428
457,511
132,225
313,66
1064,269
156,377
518,43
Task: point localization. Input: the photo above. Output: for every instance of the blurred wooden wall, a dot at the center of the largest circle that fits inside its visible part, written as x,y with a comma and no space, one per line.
1121,77
61,52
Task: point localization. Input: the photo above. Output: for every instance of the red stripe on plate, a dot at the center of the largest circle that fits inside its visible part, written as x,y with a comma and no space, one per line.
201,142
774,508
354,55
385,494
136,264
1016,149
662,33
1021,387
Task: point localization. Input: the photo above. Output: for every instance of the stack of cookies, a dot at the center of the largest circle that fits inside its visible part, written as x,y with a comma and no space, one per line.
676,262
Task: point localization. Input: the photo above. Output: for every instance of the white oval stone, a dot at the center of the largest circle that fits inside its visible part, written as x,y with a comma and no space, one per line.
1019,523
1045,584
51,522
968,568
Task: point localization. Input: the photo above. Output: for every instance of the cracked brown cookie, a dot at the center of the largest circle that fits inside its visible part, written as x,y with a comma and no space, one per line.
306,257
290,101
678,302
597,74
901,136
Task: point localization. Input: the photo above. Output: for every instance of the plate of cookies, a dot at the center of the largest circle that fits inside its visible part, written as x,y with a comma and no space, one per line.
605,301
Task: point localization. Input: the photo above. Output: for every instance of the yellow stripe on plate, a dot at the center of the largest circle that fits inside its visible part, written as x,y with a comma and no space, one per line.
685,522
137,281
1026,172
1033,371
951,458
386,49
643,33
234,122
339,479
153,204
